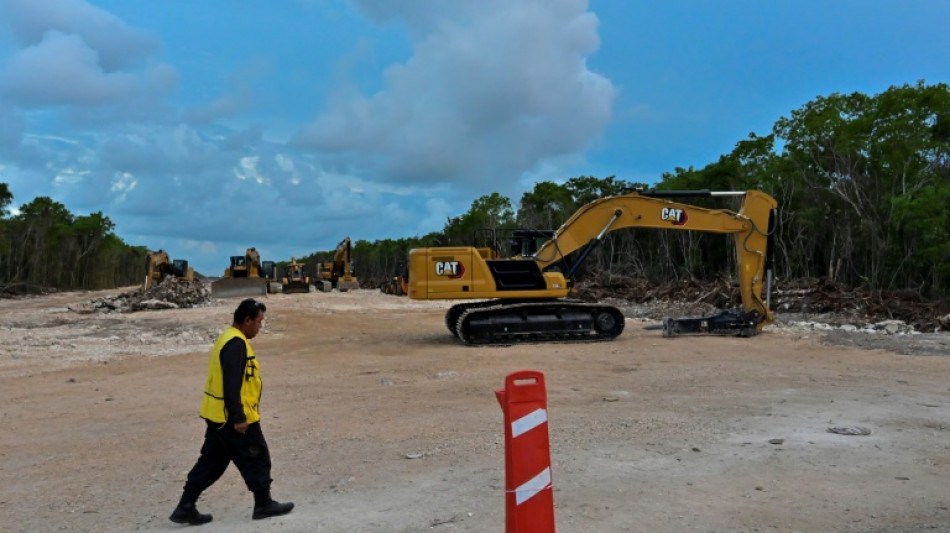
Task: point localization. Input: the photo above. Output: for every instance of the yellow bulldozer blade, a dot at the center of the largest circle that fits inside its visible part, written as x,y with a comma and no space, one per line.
296,287
238,287
344,286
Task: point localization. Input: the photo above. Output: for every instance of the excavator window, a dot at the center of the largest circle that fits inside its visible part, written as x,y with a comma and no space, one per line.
268,270
180,267
525,242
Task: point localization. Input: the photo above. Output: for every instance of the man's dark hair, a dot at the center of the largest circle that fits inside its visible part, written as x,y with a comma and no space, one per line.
249,308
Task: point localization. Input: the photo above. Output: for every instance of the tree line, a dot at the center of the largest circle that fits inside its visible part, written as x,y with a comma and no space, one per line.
45,247
862,183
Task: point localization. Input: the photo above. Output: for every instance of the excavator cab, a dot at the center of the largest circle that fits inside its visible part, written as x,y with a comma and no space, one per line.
269,270
181,269
526,242
239,266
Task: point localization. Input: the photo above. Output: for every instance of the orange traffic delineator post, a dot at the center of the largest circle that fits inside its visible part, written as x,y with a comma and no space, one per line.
529,494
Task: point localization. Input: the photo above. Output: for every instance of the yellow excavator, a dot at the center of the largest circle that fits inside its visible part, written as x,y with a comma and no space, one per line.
525,297
338,273
158,266
247,276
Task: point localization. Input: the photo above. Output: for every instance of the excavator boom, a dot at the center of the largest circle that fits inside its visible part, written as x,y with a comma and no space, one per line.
526,293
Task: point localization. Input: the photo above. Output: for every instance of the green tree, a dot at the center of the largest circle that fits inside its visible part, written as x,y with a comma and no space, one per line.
86,236
45,223
488,214
586,189
46,247
546,206
6,198
861,154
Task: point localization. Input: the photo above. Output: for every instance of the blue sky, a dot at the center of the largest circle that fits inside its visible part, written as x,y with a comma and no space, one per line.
205,128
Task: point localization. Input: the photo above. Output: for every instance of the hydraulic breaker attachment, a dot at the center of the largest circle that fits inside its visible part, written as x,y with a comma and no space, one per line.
728,322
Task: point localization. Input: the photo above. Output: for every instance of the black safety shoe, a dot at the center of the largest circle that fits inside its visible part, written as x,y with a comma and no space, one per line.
188,514
271,508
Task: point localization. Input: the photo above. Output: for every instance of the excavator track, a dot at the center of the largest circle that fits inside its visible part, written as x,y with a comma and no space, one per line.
456,311
507,323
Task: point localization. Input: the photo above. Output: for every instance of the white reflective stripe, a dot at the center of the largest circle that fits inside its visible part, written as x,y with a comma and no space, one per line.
533,486
528,422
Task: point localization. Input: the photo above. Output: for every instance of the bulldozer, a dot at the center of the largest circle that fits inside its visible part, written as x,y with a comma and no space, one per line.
397,285
338,273
295,278
246,276
158,266
524,299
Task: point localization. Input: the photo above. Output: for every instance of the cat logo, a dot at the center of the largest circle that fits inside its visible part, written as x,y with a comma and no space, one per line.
677,216
450,269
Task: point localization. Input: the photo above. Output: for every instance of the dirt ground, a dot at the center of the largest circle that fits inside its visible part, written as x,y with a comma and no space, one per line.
380,421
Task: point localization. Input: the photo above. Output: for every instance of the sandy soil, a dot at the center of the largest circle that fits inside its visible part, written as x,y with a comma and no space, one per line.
379,421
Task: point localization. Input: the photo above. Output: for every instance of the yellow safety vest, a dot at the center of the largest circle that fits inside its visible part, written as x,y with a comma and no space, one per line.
212,405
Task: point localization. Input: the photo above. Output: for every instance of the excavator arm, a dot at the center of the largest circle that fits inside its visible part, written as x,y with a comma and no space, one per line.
157,266
341,258
751,227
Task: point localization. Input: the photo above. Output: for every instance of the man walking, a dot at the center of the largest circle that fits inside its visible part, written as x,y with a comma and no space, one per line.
230,408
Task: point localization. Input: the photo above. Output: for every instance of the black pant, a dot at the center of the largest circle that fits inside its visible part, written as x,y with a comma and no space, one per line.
223,445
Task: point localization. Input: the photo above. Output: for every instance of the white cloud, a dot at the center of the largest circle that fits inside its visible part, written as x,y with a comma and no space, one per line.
123,184
54,138
117,45
493,89
74,54
69,176
247,169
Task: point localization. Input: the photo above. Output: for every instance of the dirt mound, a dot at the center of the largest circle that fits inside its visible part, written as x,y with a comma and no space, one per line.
171,293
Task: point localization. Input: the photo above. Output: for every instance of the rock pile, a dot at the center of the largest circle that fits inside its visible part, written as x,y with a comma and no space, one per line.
171,293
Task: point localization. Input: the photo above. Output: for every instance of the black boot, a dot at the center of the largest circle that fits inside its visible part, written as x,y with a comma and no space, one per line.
265,507
186,513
